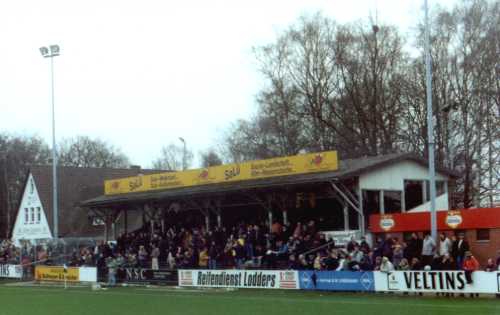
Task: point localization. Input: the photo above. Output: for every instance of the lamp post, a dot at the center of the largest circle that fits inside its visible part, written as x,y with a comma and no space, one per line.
51,52
183,153
430,124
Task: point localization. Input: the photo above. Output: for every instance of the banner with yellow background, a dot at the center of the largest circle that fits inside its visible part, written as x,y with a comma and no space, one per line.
282,166
53,273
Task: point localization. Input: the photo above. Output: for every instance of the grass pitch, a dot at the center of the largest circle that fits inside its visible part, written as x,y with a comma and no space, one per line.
144,301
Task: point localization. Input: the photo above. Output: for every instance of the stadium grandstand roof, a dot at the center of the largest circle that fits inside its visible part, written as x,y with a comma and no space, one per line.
347,169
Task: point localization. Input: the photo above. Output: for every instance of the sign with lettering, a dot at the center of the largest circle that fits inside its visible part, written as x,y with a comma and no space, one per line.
283,166
262,279
141,275
436,281
59,274
336,280
11,271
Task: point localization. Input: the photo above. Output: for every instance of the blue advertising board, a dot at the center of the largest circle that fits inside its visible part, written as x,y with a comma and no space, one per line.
336,280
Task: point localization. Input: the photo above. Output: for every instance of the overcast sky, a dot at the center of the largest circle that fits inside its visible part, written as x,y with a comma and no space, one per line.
140,74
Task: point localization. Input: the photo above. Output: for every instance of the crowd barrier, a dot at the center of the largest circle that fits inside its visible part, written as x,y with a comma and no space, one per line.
70,274
11,271
396,281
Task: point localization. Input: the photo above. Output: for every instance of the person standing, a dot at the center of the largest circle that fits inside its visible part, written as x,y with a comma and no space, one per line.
428,249
444,245
155,254
414,247
462,248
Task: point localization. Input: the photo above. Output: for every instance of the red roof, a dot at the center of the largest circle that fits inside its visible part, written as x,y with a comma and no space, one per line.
478,218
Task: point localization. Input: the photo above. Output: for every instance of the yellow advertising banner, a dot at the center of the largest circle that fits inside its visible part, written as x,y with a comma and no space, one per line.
53,273
282,166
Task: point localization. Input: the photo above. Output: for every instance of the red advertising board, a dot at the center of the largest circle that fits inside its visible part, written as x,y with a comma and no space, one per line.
478,218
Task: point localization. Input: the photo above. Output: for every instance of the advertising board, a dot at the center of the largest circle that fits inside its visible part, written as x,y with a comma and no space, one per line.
141,275
437,281
70,274
281,166
262,279
336,280
11,271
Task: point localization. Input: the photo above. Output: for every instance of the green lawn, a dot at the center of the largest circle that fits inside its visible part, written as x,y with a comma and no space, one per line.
144,301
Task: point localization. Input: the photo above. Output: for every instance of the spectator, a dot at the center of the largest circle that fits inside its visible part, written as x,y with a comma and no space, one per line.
490,265
404,265
397,255
447,263
203,258
155,254
414,247
469,266
386,265
462,249
428,249
444,245
415,264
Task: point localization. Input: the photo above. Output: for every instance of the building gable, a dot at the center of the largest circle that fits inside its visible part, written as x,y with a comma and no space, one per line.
31,221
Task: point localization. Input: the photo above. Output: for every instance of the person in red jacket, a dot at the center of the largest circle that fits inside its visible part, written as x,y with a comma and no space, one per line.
469,266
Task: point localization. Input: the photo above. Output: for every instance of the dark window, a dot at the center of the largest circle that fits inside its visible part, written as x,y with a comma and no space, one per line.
371,201
392,201
483,234
413,193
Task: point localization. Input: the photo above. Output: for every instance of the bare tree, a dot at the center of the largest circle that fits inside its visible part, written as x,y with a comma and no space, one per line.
210,158
171,158
17,154
83,151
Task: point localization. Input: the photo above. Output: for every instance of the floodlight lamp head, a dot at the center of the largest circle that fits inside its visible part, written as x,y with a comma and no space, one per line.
44,51
54,50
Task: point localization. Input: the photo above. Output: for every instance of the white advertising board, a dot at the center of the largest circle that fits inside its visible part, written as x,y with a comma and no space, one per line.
11,271
88,274
262,279
437,281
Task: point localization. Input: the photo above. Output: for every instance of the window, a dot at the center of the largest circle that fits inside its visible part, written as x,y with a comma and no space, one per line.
371,201
26,215
414,193
392,201
483,234
38,215
32,215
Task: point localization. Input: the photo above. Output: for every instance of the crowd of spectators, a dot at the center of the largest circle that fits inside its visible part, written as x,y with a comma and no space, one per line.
298,246
285,246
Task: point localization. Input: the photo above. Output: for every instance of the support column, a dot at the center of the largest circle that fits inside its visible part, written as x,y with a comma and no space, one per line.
361,218
285,217
381,202
125,219
270,218
346,217
106,228
207,221
219,220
